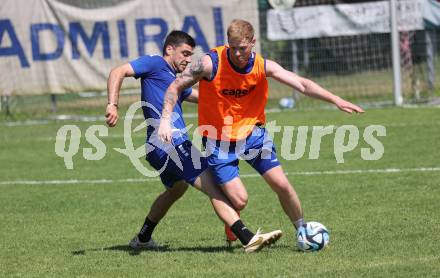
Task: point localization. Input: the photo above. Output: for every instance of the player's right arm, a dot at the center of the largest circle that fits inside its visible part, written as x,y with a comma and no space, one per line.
201,68
114,83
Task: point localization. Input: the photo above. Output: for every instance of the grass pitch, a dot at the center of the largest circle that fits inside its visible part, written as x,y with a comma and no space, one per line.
383,215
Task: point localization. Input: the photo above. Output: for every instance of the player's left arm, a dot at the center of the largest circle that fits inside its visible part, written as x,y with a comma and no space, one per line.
308,87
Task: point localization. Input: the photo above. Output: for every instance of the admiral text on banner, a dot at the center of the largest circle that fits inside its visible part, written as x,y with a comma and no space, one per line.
47,46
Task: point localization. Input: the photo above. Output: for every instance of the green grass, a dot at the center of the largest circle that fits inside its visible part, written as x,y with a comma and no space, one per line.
381,224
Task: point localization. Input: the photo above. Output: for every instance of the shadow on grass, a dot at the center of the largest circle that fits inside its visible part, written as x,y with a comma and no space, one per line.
163,248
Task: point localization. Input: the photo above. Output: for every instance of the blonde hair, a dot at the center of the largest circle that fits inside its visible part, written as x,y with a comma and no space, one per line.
240,29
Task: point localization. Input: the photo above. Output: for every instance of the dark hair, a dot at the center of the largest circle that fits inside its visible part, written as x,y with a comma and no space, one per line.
176,38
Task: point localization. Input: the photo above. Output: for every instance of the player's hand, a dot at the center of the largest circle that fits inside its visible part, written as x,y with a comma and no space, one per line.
164,131
347,106
111,115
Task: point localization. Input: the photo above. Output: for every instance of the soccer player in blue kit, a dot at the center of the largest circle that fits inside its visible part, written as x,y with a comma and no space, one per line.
176,160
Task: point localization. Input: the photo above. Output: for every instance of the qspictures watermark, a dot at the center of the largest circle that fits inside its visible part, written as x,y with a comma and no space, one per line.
346,139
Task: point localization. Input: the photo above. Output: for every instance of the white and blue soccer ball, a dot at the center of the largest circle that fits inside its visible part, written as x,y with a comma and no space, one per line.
312,236
287,102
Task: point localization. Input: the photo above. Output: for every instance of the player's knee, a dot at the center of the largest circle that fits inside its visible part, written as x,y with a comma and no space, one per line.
240,202
239,205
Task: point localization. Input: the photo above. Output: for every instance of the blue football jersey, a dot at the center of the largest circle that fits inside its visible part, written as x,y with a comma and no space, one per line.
156,75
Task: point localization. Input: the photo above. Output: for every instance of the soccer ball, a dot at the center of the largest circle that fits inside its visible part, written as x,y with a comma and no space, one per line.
312,236
287,102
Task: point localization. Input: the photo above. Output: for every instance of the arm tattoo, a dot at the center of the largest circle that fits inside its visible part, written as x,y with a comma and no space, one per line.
184,80
191,75
169,101
196,68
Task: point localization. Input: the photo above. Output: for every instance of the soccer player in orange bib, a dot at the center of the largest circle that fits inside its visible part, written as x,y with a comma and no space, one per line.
233,92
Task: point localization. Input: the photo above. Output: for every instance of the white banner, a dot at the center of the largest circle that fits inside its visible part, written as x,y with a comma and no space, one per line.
342,20
431,13
49,47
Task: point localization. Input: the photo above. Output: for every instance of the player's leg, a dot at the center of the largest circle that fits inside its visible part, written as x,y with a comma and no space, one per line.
229,234
226,174
175,187
165,200
267,164
224,165
203,180
237,194
223,162
223,208
287,195
160,207
158,210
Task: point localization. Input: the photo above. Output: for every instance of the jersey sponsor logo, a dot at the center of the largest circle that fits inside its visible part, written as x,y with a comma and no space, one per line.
238,93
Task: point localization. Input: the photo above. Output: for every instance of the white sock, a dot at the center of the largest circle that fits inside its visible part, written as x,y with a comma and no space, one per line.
298,223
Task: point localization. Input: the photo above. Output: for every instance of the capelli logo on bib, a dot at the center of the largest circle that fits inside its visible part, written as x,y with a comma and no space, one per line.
237,92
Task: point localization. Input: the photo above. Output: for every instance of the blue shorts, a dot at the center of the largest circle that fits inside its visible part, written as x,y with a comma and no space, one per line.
183,162
257,149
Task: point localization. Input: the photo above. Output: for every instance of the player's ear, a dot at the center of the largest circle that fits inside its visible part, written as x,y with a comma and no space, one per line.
169,50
